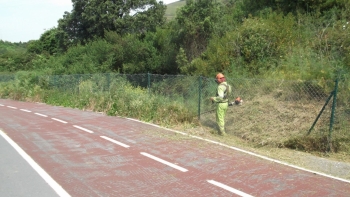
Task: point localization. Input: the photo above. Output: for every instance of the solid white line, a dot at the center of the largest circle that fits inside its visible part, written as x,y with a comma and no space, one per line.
228,188
81,128
164,162
41,115
55,186
59,120
116,142
25,110
12,107
248,152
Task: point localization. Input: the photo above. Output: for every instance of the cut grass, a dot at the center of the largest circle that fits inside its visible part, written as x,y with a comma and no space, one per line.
266,123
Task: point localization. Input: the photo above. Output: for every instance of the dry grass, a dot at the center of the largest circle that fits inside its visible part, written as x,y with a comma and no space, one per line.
271,129
277,129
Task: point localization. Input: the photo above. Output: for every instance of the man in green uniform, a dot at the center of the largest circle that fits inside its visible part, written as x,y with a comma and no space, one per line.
221,101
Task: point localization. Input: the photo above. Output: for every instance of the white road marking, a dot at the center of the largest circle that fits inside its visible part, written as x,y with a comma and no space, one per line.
81,128
41,115
12,107
55,186
116,142
59,120
247,152
164,162
25,110
228,188
2,105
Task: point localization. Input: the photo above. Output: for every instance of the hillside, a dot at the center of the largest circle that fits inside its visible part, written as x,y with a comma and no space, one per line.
172,7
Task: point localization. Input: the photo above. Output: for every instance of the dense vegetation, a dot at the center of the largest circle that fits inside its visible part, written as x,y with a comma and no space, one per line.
271,39
276,39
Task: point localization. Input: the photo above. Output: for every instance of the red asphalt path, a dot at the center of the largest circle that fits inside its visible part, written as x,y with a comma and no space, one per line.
90,154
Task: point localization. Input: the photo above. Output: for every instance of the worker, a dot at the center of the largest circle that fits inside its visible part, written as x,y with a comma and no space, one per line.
221,101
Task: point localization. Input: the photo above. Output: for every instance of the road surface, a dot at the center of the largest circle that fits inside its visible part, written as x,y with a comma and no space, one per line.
80,153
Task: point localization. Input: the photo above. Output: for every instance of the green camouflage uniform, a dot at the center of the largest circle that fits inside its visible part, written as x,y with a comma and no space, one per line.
222,104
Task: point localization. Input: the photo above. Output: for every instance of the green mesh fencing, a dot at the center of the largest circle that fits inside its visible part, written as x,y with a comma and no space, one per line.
6,77
286,107
292,106
341,122
268,105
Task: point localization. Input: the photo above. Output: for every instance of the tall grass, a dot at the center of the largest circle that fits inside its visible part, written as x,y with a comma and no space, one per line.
113,95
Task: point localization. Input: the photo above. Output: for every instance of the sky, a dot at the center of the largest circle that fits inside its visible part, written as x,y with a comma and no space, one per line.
24,20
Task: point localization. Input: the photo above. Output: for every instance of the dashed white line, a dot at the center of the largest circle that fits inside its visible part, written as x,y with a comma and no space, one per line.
12,107
55,186
164,162
25,110
59,120
81,128
40,114
2,105
116,142
228,188
248,152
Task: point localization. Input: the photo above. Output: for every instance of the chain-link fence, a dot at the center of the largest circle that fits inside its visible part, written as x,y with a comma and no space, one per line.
269,106
7,77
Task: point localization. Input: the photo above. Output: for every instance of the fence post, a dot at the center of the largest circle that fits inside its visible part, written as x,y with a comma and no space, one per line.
333,108
199,96
149,83
108,81
319,114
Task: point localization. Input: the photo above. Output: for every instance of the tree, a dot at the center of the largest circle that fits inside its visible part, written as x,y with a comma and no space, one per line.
90,19
194,25
47,43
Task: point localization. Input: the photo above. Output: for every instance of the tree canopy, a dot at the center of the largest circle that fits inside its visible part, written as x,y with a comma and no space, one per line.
90,19
301,39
